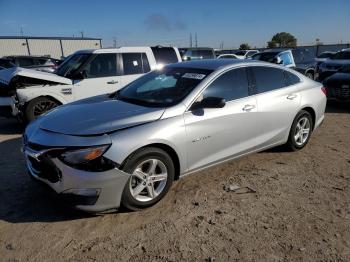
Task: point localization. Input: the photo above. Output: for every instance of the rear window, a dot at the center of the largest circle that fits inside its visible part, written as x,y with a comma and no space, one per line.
164,55
268,78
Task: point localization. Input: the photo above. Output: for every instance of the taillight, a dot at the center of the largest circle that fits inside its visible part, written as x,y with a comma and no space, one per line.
324,90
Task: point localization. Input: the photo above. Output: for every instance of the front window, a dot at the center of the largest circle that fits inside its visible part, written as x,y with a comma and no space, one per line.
72,64
162,88
342,55
102,65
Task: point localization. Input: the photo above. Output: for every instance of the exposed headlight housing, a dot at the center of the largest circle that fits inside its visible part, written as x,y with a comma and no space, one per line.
89,159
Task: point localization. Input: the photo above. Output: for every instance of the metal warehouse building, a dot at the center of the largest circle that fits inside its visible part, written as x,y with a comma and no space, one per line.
55,47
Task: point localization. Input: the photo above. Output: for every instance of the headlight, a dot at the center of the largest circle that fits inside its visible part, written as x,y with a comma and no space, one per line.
84,155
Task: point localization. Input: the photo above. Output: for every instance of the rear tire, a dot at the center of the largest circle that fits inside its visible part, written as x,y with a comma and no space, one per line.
152,172
37,107
300,131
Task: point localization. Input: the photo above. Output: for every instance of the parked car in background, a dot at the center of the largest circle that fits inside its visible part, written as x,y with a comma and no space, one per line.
40,63
301,60
84,74
127,148
244,54
338,85
6,63
333,64
324,56
195,53
230,56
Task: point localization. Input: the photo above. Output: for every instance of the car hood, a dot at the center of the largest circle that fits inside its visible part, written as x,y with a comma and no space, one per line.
7,74
98,115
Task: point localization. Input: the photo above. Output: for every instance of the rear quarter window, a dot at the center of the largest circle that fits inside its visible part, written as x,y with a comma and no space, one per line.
268,78
291,79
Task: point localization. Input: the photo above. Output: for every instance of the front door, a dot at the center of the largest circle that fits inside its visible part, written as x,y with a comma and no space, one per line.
215,134
100,77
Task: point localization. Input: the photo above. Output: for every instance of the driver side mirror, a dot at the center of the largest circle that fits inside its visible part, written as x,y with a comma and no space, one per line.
212,102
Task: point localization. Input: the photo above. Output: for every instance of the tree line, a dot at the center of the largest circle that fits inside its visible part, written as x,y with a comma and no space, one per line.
282,39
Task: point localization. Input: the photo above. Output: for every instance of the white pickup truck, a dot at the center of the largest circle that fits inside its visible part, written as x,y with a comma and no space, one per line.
27,93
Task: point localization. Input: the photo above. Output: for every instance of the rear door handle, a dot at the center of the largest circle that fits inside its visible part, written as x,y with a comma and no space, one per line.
112,82
291,96
248,108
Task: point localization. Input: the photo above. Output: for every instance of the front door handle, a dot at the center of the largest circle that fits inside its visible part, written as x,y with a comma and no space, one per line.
248,108
291,96
112,82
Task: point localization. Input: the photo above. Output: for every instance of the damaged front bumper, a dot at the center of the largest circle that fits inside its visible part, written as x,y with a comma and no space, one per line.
83,190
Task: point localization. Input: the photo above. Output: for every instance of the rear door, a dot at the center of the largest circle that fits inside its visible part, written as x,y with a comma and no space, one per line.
100,77
214,134
278,100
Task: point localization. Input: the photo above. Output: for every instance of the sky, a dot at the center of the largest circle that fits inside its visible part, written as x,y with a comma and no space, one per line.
150,22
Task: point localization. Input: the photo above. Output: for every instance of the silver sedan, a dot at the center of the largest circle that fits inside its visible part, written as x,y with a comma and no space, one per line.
127,148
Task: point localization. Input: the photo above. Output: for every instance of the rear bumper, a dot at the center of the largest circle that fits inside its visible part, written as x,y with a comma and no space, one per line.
87,191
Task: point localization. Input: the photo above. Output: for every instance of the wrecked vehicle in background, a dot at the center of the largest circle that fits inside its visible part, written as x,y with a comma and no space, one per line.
27,94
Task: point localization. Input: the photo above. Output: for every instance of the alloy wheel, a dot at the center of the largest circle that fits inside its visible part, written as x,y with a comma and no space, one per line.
302,131
148,180
43,106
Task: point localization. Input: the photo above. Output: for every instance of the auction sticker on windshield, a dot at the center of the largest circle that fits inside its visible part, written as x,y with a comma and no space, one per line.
194,76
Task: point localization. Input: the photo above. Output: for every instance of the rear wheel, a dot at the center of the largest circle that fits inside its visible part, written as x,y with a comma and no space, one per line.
152,173
300,131
38,106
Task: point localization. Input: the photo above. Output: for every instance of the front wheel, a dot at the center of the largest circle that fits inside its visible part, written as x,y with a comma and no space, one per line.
300,131
152,173
38,106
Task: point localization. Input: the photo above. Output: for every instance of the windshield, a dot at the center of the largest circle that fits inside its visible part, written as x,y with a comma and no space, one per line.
341,55
68,67
267,57
162,88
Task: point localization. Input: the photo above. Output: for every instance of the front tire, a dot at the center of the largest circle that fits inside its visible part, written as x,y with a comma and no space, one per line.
300,131
37,107
152,172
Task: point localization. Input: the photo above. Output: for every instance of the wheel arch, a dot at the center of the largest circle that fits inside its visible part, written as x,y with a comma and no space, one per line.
312,112
169,150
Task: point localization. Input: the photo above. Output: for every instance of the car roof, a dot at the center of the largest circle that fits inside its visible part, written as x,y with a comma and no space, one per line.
212,64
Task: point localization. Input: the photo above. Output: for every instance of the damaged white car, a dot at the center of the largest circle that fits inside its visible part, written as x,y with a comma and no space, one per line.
28,94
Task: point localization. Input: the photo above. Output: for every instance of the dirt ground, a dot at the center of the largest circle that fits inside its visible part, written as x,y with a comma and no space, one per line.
300,211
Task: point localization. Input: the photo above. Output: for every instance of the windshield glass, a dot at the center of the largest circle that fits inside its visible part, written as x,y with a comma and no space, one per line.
162,88
341,55
4,63
73,63
267,57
